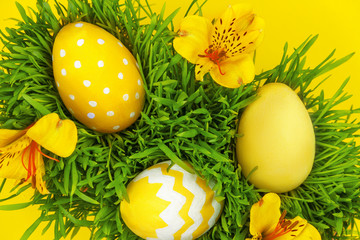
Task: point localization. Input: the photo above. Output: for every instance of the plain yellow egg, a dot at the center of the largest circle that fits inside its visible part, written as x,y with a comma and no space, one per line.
169,204
97,77
276,143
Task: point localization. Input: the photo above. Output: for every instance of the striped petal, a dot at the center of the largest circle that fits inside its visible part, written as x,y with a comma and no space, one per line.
40,172
309,232
11,164
203,66
8,136
238,31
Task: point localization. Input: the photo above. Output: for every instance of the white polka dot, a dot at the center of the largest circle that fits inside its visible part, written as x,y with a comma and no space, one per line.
110,113
132,114
71,111
93,103
77,64
100,41
80,42
137,95
79,25
125,61
101,63
120,44
58,84
126,97
52,57
87,83
63,72
62,53
91,115
106,90
116,127
120,76
139,82
94,128
72,97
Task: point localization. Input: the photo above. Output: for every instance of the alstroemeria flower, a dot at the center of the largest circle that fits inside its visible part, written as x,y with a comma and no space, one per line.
21,155
267,223
224,49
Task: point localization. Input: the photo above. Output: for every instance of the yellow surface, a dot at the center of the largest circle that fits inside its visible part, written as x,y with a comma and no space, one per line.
277,136
337,22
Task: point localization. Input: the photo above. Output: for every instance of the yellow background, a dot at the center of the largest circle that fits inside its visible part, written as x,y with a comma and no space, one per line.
336,22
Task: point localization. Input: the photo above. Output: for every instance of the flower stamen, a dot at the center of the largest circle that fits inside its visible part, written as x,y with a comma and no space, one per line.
283,227
31,168
38,149
32,160
215,56
22,158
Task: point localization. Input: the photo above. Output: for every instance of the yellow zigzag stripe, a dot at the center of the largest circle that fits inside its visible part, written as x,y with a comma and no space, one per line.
171,214
207,210
179,187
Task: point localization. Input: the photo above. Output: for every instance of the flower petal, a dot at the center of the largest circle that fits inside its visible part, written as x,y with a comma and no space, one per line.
232,15
40,172
265,214
254,35
8,136
246,19
203,65
245,39
309,232
194,37
56,135
236,72
36,179
238,31
11,165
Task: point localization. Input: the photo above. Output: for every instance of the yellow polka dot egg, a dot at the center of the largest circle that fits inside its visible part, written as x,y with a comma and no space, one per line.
169,204
97,77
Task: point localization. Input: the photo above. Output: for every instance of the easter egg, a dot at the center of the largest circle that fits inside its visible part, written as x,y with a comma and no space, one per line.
276,143
97,77
169,204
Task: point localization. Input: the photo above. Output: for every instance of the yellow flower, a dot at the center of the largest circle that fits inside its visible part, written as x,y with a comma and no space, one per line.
20,153
267,223
224,49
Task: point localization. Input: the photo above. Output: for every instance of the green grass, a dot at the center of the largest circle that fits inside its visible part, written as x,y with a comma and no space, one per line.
182,120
